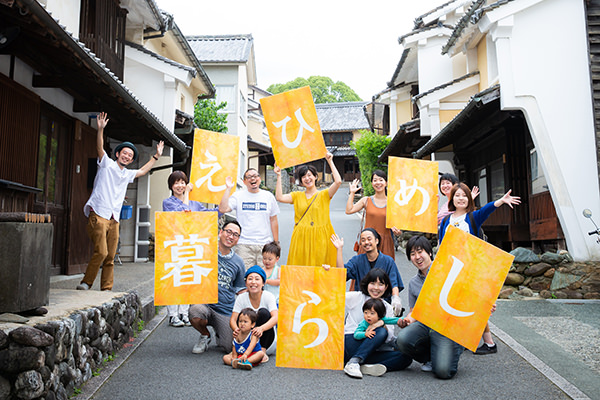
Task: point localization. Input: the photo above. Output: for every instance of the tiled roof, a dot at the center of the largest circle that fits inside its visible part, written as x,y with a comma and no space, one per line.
427,28
221,48
343,151
461,24
444,137
185,45
473,15
445,85
419,19
337,117
161,58
399,67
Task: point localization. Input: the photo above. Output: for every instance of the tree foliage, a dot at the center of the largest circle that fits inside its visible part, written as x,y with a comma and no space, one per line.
324,89
206,115
368,148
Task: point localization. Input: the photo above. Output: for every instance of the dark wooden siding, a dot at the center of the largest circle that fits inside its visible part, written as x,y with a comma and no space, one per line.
102,29
544,223
84,154
19,130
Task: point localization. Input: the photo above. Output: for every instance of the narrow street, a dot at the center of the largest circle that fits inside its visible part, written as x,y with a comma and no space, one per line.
164,366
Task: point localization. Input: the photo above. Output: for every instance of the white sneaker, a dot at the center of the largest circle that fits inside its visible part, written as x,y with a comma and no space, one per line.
83,286
202,344
373,369
353,370
186,320
426,367
176,322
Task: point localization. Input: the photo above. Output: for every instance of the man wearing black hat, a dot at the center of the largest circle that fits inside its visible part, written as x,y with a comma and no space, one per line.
104,205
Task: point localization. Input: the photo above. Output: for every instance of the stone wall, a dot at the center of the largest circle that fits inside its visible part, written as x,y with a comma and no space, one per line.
551,275
49,360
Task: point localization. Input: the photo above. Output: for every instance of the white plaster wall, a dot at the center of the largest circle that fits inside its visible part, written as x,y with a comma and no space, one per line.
543,69
67,12
430,54
226,75
147,84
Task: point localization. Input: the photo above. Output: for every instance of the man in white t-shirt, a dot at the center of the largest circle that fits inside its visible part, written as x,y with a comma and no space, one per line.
256,211
104,205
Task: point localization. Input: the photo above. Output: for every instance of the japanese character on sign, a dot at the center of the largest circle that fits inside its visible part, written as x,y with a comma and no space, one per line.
186,262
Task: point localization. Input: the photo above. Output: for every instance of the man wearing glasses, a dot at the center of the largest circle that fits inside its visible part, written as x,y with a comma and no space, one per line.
231,282
256,210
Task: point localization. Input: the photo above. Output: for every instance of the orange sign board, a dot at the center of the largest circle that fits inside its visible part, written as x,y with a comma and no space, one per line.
462,285
311,318
412,195
186,265
293,127
215,157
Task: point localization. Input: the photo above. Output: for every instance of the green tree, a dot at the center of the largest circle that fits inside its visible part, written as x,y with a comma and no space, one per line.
324,89
206,115
368,148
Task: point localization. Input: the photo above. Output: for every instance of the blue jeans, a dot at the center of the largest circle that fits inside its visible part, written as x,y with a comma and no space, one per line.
424,344
366,349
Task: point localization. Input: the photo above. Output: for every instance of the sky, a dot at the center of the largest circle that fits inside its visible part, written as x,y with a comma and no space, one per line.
355,42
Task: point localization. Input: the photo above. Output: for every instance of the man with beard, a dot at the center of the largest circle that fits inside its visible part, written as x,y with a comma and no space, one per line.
104,205
256,211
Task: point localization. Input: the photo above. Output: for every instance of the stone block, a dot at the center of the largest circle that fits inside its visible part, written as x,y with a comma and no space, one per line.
18,359
552,258
29,385
25,256
562,280
537,269
523,255
514,279
29,336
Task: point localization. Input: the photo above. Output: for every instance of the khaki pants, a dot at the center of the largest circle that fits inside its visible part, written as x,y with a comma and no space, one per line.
251,254
105,235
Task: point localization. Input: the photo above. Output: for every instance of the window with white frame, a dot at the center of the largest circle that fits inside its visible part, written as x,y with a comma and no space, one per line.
482,183
538,180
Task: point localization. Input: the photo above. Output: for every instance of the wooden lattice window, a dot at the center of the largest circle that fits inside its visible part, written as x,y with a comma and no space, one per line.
102,29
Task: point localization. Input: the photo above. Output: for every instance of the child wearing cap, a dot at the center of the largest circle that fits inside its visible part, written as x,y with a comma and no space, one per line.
262,302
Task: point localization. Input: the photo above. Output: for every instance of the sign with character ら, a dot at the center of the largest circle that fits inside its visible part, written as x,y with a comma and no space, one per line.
293,127
461,286
186,268
412,202
311,318
215,157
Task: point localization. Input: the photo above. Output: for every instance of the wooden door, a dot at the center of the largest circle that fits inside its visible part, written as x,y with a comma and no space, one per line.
83,172
54,153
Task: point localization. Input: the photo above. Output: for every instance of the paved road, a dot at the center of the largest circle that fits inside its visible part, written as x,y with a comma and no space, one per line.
164,367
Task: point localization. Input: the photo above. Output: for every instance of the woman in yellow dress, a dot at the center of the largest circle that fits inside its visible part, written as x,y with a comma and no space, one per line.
310,244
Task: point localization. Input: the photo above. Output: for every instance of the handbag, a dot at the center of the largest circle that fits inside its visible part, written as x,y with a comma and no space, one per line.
362,221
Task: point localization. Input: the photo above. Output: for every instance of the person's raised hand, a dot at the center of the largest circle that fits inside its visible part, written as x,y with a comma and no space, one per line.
102,120
337,241
160,147
229,182
354,186
510,200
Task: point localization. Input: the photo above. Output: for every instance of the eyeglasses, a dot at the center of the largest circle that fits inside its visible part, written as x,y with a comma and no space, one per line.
231,233
252,176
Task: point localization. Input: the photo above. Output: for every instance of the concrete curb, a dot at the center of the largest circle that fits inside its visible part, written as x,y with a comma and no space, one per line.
90,388
538,364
